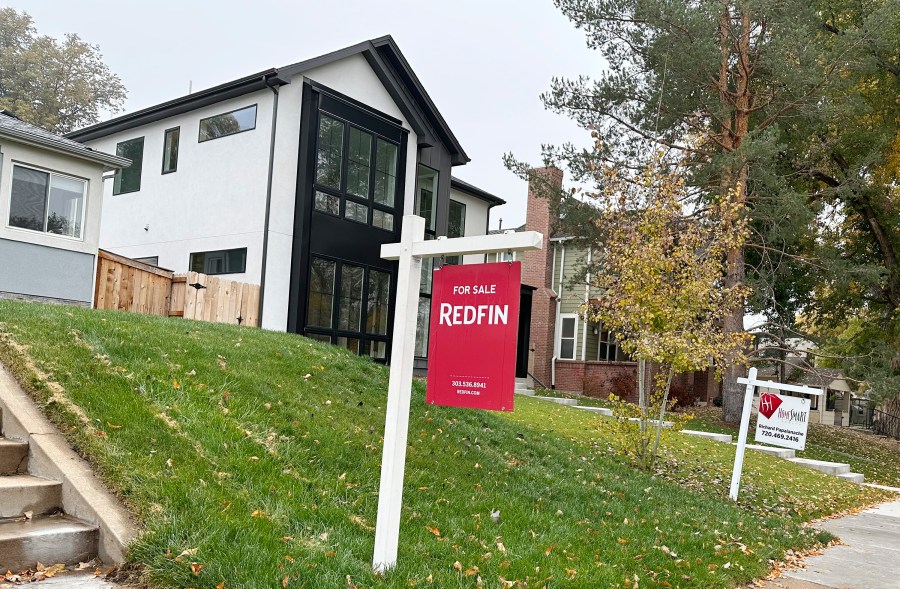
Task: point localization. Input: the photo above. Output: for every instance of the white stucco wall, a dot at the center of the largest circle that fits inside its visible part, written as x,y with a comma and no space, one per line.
48,161
215,200
477,213
352,77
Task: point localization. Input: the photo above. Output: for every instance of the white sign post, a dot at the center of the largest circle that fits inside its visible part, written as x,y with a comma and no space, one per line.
752,383
409,252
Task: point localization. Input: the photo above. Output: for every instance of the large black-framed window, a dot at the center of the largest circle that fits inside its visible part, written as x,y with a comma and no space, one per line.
348,305
355,173
129,179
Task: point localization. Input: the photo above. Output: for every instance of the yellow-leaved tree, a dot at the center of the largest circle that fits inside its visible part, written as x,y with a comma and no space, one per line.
660,275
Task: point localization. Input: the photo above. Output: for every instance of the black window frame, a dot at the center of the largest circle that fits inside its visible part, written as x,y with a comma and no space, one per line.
177,144
254,106
342,192
117,180
225,253
455,260
335,331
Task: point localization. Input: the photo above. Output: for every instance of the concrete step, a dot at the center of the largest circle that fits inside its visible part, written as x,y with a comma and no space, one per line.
833,468
853,477
526,392
708,435
50,540
786,453
20,493
559,400
13,457
600,410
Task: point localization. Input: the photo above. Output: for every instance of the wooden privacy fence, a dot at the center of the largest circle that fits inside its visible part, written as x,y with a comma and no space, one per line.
129,285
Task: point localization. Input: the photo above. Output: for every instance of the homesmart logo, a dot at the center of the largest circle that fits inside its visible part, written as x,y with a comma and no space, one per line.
770,405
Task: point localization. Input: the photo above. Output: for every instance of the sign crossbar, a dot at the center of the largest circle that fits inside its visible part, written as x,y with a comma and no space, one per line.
768,384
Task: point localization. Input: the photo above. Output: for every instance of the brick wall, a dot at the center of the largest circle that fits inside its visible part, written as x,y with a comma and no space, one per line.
599,379
537,268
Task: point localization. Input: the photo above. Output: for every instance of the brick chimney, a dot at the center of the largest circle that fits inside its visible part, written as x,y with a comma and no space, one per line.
537,269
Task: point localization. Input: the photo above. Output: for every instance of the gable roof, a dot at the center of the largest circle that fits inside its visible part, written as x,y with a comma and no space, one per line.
15,128
383,56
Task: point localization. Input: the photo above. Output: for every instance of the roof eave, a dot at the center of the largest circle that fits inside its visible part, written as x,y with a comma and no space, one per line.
182,104
109,161
463,186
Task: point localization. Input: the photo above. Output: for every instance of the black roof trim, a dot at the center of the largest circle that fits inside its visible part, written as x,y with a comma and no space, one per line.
233,89
383,56
463,186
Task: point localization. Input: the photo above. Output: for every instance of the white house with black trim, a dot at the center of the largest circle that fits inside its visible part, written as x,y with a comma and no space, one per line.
292,178
51,195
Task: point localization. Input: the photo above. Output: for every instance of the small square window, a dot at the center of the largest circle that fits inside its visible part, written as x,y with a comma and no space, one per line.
382,220
356,212
328,203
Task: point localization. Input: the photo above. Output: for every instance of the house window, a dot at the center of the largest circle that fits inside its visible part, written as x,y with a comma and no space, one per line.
348,304
355,169
607,349
129,179
48,202
170,150
152,260
456,226
321,293
568,327
329,152
220,262
426,196
229,123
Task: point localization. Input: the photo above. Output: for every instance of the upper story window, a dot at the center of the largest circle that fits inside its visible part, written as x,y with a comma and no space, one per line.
48,202
129,179
170,150
229,123
426,196
456,226
356,173
220,262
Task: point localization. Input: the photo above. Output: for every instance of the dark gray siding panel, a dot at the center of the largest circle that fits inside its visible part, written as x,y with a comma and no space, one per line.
38,271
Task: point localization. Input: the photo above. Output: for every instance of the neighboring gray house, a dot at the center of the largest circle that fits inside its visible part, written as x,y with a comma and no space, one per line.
51,193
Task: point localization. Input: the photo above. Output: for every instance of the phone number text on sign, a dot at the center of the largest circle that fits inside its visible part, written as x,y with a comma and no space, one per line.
469,387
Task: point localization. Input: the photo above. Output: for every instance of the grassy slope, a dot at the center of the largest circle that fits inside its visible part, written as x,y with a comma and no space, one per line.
261,451
877,457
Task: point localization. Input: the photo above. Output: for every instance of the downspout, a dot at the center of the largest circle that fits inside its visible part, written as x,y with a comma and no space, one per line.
587,297
265,247
559,296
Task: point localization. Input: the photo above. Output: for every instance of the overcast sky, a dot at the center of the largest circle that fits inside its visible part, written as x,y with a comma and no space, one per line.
484,62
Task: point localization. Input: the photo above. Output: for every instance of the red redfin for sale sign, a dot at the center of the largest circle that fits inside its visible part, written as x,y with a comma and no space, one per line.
474,323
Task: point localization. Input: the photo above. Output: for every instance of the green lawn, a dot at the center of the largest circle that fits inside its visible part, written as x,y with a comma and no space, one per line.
258,453
877,457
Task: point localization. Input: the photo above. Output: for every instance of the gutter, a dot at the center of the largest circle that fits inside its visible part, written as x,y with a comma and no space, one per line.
265,247
112,162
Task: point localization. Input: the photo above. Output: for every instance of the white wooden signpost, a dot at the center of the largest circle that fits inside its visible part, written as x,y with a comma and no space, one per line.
409,253
771,438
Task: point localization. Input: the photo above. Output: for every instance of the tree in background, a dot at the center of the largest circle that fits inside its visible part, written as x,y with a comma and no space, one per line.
659,274
58,85
740,89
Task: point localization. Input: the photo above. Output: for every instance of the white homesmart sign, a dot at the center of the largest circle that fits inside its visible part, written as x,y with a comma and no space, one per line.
782,420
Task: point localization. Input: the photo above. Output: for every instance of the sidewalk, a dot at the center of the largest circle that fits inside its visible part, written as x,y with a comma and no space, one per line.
870,558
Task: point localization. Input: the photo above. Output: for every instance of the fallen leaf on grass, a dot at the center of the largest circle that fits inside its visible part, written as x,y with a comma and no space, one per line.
221,585
196,568
433,530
